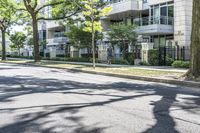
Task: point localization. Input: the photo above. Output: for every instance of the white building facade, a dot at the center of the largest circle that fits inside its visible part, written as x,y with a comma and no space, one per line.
161,22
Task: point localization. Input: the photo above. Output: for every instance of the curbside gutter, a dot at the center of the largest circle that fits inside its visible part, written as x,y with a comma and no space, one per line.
150,79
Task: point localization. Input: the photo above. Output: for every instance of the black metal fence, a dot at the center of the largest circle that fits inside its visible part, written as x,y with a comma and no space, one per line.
167,54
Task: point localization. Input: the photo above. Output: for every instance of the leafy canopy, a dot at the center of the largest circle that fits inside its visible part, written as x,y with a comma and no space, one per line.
120,33
17,40
7,14
92,12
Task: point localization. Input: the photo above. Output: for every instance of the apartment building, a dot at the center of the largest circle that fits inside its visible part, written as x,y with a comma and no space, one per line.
161,23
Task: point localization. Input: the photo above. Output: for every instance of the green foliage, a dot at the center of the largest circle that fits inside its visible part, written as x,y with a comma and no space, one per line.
181,64
7,14
30,42
130,57
17,40
79,38
92,13
169,60
144,63
121,62
153,57
122,35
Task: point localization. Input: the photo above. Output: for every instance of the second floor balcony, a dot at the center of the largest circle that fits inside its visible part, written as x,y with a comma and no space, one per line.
57,41
155,25
124,5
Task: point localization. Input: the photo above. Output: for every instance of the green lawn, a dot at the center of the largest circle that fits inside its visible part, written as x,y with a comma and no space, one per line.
111,70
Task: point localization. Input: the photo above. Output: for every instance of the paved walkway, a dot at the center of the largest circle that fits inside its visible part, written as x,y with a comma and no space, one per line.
156,68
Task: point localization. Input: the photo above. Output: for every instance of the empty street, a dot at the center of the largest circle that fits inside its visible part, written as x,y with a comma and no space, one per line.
47,100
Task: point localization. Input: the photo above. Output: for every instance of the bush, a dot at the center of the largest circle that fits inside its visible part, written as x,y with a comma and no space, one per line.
153,58
169,61
181,64
121,62
69,59
60,55
88,55
144,63
130,57
25,57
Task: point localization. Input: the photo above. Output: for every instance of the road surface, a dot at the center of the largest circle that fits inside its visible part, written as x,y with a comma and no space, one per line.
47,100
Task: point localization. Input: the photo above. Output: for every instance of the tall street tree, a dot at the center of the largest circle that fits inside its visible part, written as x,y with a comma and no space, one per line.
39,11
194,71
93,10
7,18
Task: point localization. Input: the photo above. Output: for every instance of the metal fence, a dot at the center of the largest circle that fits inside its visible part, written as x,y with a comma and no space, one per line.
173,53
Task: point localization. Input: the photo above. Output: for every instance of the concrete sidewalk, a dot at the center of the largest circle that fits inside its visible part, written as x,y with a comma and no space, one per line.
154,68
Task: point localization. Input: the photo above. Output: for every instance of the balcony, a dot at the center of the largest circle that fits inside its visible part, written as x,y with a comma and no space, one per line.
124,6
57,41
155,25
52,24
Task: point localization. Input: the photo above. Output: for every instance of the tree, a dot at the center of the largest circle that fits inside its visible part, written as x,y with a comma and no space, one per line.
122,35
79,38
17,40
194,71
93,11
35,10
6,20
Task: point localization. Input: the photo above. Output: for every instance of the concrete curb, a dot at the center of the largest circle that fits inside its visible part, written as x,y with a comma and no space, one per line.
168,81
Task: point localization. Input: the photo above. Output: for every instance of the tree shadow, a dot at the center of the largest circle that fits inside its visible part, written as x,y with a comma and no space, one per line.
12,87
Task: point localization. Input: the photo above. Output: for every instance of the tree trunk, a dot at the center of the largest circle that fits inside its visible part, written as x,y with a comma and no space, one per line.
93,45
3,32
35,39
19,51
194,71
124,49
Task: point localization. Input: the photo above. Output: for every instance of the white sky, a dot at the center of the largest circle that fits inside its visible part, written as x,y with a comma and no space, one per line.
17,28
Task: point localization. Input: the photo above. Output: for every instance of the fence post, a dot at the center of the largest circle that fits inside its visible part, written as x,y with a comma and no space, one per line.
183,53
165,55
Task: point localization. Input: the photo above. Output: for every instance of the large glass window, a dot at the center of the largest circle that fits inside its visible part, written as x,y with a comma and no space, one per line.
163,14
170,15
156,14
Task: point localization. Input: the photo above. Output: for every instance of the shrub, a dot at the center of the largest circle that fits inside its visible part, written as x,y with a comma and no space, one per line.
121,62
144,63
130,57
169,61
153,57
181,64
25,57
60,55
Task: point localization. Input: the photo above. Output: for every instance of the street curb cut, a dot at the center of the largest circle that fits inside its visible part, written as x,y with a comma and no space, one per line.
168,81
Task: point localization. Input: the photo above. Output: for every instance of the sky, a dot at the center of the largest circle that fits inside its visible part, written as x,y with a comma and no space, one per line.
17,28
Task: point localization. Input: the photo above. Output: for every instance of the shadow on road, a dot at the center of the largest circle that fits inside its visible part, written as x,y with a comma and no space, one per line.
32,121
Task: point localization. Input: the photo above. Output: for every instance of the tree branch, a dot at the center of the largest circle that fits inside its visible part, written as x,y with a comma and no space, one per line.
60,17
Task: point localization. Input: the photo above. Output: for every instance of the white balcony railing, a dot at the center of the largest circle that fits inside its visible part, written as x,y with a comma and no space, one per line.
163,20
57,40
154,25
124,5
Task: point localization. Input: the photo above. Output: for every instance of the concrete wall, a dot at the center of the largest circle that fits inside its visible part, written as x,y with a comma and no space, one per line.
182,21
153,2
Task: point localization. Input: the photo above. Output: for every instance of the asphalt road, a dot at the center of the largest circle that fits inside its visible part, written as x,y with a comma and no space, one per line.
45,100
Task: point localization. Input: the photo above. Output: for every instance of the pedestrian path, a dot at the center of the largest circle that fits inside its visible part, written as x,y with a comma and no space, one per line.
154,68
